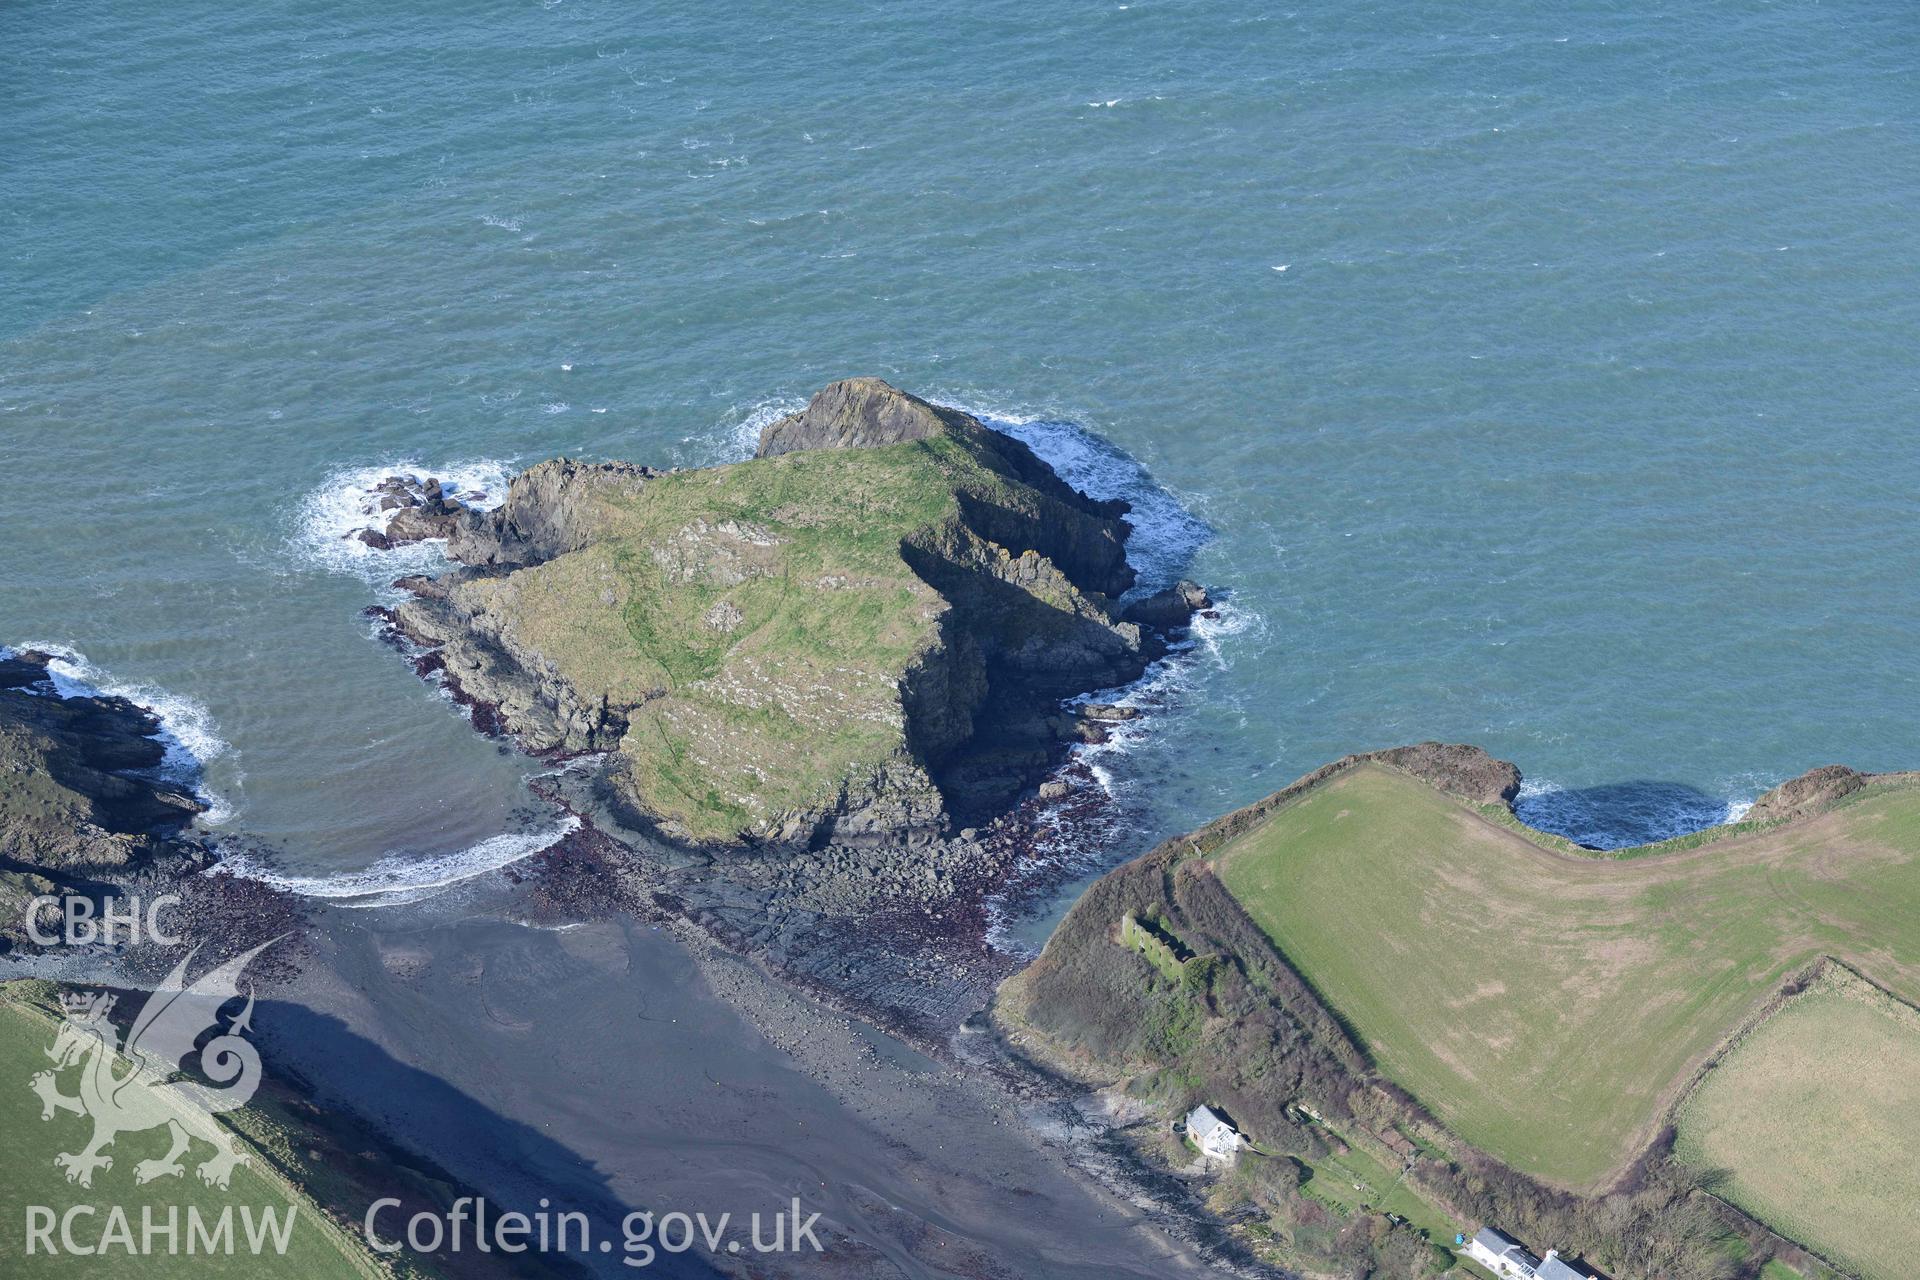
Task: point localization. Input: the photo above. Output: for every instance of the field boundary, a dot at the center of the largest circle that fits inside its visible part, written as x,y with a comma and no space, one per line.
1223,832
1807,982
1803,982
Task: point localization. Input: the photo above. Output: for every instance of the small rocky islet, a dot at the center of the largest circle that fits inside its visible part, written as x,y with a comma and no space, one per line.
864,631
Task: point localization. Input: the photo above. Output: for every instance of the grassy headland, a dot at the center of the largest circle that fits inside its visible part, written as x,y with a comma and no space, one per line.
1546,1007
1379,950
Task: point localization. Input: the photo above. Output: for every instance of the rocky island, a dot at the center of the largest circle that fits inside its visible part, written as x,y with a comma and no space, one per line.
864,630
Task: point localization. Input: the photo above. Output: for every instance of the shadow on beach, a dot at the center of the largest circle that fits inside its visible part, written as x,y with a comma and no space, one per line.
513,1166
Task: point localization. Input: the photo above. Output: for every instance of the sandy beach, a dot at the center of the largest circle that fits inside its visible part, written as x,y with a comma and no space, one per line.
613,1067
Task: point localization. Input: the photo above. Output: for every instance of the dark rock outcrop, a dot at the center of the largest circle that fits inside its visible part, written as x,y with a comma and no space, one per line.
858,413
74,796
1462,770
81,807
551,508
962,586
1174,607
419,523
1808,794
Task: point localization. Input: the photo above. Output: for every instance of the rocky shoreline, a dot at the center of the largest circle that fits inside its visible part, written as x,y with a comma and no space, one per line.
576,603
878,910
878,904
88,814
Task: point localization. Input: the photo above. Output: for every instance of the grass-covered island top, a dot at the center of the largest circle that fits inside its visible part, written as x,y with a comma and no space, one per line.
862,629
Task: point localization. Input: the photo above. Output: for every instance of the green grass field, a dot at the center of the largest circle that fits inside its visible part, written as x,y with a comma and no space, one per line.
1355,1178
1815,1117
760,617
1549,1008
315,1249
804,550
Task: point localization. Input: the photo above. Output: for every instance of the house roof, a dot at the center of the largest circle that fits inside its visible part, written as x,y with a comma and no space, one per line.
1502,1245
1495,1241
1556,1268
1204,1120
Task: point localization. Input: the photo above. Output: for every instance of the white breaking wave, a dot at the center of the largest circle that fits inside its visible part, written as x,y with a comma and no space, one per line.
401,878
188,733
1161,687
1623,815
1166,535
347,502
738,434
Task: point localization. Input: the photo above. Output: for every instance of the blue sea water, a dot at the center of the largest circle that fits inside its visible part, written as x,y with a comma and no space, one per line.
1542,377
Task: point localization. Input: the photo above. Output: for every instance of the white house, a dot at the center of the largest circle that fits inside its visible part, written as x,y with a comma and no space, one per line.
1506,1257
1501,1254
1213,1135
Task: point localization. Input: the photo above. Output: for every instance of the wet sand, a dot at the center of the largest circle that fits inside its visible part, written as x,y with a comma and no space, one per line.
613,1066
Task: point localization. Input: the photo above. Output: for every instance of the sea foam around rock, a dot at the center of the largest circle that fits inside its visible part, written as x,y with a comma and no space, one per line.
347,501
188,732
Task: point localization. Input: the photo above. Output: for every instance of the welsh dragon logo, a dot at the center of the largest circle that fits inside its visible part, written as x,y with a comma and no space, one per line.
148,1094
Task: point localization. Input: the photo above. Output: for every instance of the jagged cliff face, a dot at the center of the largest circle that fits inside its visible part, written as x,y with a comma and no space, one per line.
72,799
74,804
848,634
